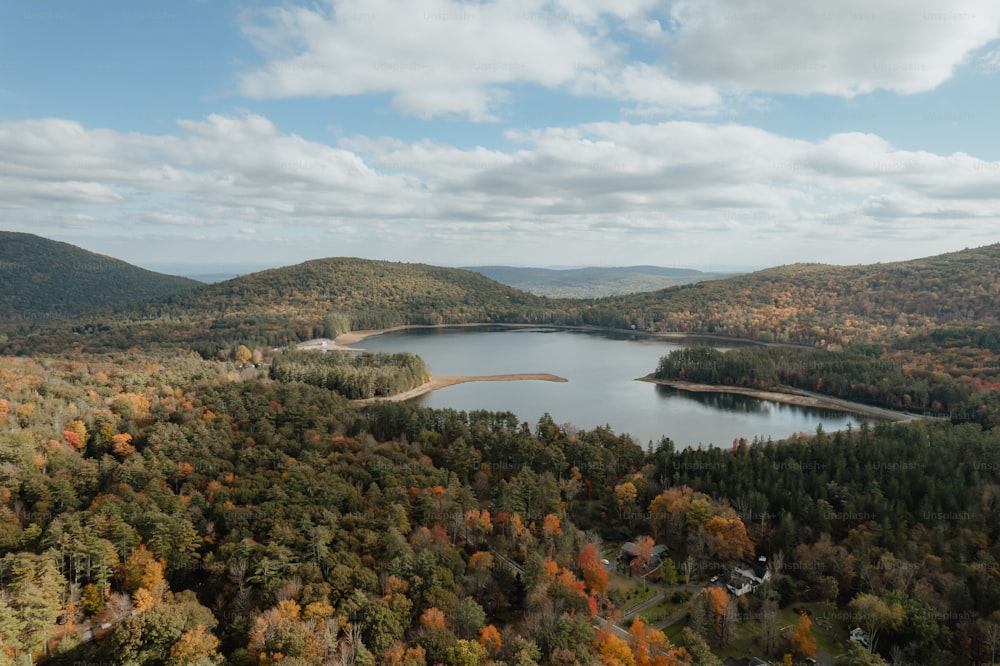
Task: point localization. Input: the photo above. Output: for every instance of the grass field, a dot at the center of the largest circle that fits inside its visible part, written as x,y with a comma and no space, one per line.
628,592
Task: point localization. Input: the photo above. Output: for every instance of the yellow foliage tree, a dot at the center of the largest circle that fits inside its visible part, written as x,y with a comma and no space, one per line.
612,650
121,444
195,646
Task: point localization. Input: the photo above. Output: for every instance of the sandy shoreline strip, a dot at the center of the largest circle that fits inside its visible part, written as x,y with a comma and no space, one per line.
450,380
354,337
793,397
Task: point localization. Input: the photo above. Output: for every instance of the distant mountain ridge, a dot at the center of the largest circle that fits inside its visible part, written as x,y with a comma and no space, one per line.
593,281
46,279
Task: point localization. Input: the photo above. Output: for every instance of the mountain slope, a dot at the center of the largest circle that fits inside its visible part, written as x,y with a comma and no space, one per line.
592,281
315,298
45,279
952,295
818,303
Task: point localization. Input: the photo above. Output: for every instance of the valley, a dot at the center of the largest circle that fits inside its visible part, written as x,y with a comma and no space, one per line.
183,486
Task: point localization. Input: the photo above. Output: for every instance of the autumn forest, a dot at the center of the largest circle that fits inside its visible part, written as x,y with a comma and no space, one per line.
179,486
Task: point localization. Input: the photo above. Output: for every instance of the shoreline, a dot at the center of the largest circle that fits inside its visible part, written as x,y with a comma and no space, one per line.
444,381
353,337
787,395
792,397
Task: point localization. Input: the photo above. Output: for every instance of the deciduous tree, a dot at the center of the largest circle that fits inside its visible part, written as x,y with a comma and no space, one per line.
803,643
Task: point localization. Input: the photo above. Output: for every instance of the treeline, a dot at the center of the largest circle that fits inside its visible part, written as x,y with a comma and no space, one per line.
352,375
851,375
706,365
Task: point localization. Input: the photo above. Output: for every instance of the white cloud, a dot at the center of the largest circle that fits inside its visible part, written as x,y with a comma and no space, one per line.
989,62
618,187
445,57
844,48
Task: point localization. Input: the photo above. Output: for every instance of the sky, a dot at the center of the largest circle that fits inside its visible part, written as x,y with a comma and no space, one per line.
712,134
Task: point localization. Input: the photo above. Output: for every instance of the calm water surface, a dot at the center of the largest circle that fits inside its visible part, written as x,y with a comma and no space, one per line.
601,390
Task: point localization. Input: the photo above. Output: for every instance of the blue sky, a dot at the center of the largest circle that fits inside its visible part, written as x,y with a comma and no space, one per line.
698,133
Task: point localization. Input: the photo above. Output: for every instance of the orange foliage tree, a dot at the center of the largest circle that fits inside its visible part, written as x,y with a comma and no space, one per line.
642,555
651,647
612,650
432,618
729,538
594,574
803,643
489,638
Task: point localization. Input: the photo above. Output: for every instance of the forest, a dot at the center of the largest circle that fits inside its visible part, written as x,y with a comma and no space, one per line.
352,375
849,374
174,490
921,335
161,508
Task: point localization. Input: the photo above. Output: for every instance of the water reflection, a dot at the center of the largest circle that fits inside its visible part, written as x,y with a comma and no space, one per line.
730,402
601,387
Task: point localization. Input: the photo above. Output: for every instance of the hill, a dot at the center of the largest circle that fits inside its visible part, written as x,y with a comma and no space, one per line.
593,281
947,299
47,279
824,304
311,299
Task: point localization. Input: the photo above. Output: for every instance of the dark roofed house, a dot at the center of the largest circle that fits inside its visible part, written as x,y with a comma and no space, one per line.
630,551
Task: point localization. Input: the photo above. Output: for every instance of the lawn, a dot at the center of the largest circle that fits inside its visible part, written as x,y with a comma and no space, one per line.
829,631
627,592
662,611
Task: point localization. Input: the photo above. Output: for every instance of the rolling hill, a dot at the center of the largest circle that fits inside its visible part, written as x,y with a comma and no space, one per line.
314,298
951,296
593,281
47,279
825,304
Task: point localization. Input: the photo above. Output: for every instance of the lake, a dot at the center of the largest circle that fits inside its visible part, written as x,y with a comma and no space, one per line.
601,370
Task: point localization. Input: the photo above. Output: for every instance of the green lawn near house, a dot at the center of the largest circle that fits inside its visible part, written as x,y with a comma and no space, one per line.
628,592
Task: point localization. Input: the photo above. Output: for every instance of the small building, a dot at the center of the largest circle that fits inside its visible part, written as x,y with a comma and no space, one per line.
630,551
748,576
738,586
858,636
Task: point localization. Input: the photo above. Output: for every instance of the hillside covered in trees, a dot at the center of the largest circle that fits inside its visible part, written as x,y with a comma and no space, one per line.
205,514
832,306
926,331
948,300
278,306
42,279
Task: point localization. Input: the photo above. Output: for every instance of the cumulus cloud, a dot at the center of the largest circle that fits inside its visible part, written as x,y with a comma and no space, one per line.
626,185
845,48
445,57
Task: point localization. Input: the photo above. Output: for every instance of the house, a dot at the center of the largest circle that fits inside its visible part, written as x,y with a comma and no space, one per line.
858,636
748,576
754,571
630,551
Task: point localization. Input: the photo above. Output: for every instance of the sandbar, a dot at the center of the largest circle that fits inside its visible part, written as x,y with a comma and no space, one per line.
789,396
444,381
